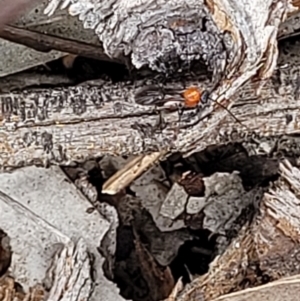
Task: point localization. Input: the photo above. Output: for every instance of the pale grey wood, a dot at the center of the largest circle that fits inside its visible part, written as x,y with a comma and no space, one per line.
70,273
35,205
36,236
59,126
15,57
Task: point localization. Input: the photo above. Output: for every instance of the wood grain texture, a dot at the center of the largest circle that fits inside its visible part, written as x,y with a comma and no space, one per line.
285,289
58,126
236,40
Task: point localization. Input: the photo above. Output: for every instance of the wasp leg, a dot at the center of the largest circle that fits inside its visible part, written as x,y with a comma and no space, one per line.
180,110
161,123
147,130
198,113
191,115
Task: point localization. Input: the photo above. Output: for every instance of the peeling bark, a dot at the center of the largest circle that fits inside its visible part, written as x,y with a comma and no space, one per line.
236,40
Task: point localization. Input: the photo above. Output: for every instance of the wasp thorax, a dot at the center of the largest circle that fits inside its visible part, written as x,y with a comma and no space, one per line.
192,97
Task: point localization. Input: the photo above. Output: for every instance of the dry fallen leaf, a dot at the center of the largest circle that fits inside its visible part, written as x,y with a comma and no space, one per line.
11,10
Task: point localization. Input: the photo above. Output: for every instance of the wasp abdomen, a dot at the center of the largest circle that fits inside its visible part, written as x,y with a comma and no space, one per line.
149,95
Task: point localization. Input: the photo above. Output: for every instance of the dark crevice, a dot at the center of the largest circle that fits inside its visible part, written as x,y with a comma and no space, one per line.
194,255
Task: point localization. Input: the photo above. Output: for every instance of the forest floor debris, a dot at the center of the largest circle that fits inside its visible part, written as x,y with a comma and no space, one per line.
212,225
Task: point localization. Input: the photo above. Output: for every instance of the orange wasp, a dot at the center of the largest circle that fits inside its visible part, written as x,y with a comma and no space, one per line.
165,98
191,98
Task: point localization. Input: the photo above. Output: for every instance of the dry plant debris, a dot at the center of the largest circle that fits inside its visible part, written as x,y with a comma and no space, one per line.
216,224
130,172
283,289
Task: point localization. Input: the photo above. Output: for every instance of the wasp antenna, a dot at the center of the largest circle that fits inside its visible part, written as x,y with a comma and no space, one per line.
229,112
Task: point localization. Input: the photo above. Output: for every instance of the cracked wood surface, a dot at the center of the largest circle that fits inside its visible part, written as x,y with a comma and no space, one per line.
58,126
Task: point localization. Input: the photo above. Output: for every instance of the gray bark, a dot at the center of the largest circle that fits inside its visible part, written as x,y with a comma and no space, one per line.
58,126
237,40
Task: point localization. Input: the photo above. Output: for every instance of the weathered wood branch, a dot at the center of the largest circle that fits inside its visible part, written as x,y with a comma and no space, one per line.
58,126
237,40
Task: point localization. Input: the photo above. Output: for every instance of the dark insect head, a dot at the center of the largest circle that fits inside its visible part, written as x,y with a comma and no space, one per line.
194,98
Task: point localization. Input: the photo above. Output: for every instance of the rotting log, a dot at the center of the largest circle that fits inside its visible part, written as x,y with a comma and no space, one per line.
58,126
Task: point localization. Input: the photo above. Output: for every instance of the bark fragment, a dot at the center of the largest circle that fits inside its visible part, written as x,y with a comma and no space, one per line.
257,255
